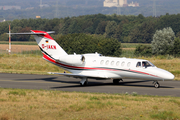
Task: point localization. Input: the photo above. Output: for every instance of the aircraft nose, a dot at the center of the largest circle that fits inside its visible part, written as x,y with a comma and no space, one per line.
169,76
165,75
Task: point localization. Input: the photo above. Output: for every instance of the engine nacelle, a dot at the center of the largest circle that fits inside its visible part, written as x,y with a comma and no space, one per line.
72,59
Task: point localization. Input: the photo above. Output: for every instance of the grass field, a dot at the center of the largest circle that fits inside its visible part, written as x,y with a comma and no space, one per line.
26,64
18,48
20,104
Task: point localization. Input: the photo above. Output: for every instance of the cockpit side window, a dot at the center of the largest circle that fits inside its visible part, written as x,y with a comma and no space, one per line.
138,64
144,64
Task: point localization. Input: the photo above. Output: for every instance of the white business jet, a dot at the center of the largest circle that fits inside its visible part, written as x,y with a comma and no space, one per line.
95,65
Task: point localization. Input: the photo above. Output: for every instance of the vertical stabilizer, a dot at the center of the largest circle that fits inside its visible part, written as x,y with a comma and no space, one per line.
48,45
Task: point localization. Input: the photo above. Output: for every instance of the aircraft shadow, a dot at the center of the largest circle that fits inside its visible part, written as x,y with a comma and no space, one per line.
50,79
93,84
128,84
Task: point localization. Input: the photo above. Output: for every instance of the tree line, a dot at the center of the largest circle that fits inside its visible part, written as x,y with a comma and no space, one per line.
126,29
164,43
82,43
104,33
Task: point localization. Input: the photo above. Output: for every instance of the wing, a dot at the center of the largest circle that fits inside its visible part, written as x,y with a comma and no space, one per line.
105,76
77,75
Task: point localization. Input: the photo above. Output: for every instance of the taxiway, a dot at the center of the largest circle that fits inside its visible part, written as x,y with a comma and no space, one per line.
53,82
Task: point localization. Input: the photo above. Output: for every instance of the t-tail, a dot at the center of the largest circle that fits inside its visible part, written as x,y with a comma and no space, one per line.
46,43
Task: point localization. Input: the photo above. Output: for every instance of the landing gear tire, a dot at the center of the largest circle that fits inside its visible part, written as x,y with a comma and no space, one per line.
116,81
84,82
156,85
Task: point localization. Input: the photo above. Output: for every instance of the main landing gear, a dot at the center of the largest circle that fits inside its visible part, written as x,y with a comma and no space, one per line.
84,82
116,81
156,84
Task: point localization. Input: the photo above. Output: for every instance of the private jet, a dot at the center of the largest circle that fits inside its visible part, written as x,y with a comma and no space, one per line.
95,65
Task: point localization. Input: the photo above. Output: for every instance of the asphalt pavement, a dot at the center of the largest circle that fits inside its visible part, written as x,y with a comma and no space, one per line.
55,82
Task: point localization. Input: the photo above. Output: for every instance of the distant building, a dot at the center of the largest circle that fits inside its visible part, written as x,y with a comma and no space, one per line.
122,3
114,3
110,3
10,7
119,3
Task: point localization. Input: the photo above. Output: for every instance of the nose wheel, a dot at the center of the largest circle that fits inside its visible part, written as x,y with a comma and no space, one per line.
156,84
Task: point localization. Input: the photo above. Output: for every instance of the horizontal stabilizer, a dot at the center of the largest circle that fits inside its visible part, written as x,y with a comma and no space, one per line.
32,33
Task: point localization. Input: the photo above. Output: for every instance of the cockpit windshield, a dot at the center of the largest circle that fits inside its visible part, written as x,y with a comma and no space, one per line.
144,64
147,64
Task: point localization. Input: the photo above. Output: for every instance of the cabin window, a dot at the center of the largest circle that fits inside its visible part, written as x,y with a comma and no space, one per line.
128,65
112,63
138,64
122,64
107,62
117,63
102,61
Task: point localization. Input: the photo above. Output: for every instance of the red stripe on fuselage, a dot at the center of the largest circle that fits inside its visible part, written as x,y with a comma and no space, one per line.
144,73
